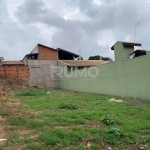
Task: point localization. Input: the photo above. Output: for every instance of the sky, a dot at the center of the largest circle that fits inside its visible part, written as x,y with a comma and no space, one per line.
91,26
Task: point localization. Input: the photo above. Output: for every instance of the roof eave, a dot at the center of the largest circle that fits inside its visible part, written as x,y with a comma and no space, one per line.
128,44
75,55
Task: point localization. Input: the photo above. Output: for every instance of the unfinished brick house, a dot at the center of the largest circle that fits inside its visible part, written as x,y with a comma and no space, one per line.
41,62
42,52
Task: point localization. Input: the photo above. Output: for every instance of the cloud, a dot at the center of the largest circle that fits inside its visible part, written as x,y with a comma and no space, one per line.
15,40
91,26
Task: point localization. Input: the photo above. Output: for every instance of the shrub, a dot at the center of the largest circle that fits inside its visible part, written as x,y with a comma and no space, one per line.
112,135
115,132
31,93
108,120
68,106
17,120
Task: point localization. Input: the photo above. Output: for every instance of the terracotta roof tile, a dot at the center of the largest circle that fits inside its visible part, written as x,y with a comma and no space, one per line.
84,63
12,63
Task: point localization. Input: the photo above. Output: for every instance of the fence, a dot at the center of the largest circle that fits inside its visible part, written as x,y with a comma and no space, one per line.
19,72
124,77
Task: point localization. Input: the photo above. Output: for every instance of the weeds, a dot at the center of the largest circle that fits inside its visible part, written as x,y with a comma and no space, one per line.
108,120
17,120
34,147
31,93
68,106
59,136
45,124
115,132
112,135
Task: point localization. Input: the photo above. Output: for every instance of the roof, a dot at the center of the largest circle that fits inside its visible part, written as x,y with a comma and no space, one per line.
57,49
84,63
1,58
76,55
140,52
128,44
12,63
60,49
47,47
32,54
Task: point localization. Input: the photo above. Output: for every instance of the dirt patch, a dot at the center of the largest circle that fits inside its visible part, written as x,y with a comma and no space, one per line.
2,92
2,135
24,133
2,96
137,104
12,84
62,127
94,124
138,147
2,119
12,104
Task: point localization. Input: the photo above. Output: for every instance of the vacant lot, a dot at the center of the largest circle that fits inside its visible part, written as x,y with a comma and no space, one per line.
66,120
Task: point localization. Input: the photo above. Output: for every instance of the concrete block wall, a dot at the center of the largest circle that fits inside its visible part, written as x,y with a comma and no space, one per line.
42,73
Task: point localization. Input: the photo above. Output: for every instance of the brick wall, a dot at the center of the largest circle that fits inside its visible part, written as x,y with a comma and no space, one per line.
47,53
19,72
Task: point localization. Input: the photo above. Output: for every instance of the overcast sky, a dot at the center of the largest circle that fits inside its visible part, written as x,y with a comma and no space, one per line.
91,26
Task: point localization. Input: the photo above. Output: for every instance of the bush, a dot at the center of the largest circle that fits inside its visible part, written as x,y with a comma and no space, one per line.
31,93
113,135
115,132
108,120
17,120
68,106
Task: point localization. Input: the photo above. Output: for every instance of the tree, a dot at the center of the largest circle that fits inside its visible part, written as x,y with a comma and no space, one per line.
97,57
79,58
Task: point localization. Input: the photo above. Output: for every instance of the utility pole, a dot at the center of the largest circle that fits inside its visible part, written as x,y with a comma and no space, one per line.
80,54
135,30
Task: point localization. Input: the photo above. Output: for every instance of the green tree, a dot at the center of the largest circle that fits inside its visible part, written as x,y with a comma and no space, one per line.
80,58
97,57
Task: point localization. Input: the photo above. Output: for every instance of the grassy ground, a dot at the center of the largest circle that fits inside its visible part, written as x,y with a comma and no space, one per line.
66,120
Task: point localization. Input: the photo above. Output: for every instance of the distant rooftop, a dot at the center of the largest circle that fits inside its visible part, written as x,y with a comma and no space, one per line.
84,63
12,63
62,50
129,44
1,58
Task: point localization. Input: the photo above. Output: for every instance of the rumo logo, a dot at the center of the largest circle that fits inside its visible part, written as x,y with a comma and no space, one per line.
65,72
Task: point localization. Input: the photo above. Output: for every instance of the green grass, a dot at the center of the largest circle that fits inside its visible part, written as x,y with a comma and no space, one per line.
68,120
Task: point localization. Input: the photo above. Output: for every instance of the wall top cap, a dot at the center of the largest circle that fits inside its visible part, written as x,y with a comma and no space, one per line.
1,58
129,44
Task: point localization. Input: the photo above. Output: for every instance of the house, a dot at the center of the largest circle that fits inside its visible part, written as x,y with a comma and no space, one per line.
79,64
13,63
42,64
42,52
10,63
13,69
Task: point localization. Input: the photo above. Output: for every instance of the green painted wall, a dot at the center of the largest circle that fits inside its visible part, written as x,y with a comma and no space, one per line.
124,77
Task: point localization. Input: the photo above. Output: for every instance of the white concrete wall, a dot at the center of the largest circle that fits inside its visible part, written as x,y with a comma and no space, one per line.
35,50
25,60
42,73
